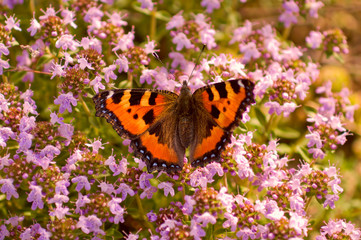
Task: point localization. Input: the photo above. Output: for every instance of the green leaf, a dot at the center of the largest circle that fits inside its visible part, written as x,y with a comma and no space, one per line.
284,148
309,109
304,153
44,59
261,117
287,132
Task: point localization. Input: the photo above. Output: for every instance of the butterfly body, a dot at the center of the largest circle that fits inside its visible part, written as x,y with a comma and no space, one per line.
162,125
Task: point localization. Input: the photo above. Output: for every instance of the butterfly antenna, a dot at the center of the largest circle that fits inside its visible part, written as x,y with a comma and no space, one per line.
197,62
156,56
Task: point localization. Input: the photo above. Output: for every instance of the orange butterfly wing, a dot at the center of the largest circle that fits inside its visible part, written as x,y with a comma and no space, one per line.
221,108
142,115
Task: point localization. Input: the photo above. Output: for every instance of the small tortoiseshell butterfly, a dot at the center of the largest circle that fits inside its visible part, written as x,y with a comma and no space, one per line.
162,125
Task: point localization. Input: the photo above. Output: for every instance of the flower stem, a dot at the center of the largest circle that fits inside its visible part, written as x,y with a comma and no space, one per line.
85,106
153,24
142,214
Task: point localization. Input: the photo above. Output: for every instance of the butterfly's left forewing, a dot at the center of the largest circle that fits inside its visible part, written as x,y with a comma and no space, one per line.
220,107
143,116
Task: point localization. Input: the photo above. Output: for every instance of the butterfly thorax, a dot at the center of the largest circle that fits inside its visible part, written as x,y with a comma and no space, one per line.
185,112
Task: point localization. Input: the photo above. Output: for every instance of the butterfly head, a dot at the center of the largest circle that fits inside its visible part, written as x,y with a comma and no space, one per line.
185,88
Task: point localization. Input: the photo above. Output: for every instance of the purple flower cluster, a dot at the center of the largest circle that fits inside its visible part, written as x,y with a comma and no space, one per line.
70,183
292,10
327,131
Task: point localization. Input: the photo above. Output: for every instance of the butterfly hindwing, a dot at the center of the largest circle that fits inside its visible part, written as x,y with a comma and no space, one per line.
159,148
221,108
142,115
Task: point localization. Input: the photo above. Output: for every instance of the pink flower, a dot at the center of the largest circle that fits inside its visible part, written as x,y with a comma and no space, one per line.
92,14
83,63
148,4
57,70
97,84
181,41
65,101
176,21
3,64
287,18
125,42
210,5
66,42
90,224
206,218
314,139
82,182
36,197
168,188
313,6
123,64
96,145
291,6
207,37
315,39
298,223
50,12
11,22
109,72
150,47
116,19
317,153
249,51
34,26
230,222
68,17
8,188
241,33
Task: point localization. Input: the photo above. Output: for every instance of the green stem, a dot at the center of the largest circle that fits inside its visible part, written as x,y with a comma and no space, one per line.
87,111
286,32
142,214
321,56
308,203
5,78
153,24
269,123
130,79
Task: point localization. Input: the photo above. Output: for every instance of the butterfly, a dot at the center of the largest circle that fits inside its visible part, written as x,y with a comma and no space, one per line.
162,124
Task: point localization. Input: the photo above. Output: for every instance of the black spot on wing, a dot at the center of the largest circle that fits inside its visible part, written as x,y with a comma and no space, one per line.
210,94
135,98
215,112
152,98
235,86
156,130
129,110
135,116
209,128
221,88
117,97
149,117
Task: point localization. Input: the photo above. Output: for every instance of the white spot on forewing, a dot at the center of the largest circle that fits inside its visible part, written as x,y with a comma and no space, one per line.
240,83
110,94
